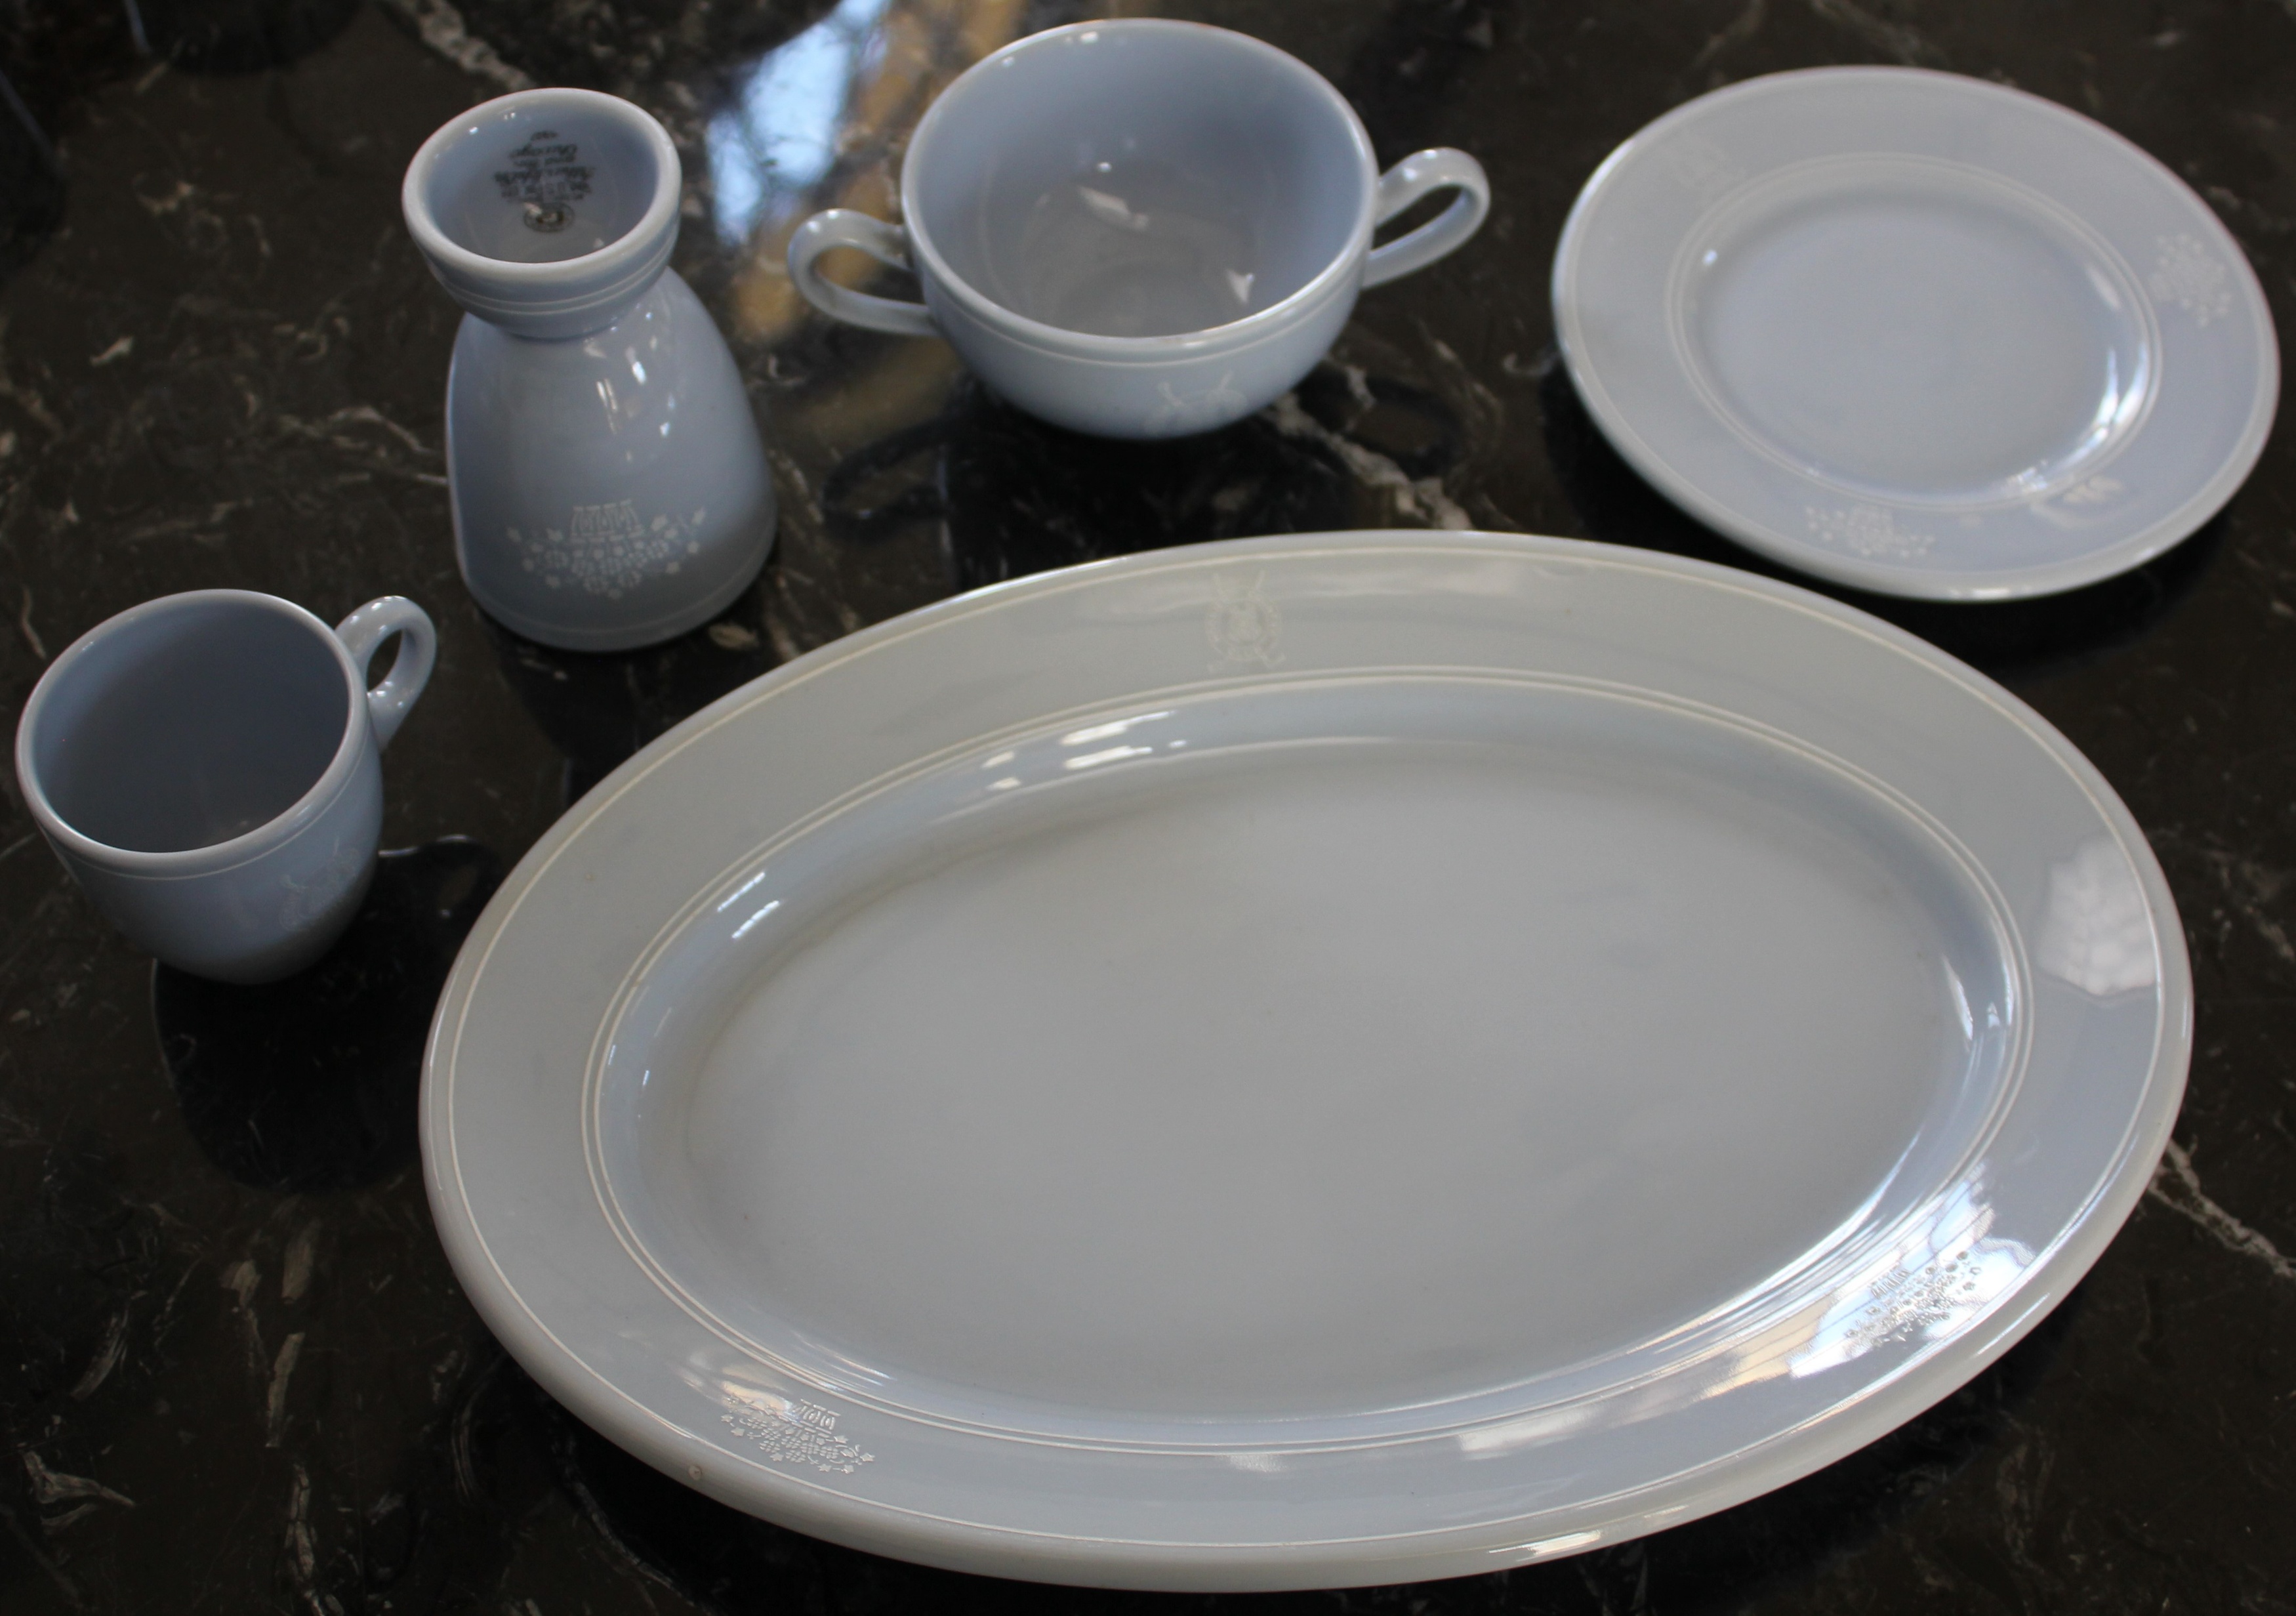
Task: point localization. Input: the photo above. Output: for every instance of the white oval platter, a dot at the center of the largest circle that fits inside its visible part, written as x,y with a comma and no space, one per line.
1310,1061
1916,332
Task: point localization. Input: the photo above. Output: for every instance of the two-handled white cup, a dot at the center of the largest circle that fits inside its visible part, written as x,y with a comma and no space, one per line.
1141,228
208,768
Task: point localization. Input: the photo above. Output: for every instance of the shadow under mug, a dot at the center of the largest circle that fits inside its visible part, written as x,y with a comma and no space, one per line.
1141,228
208,766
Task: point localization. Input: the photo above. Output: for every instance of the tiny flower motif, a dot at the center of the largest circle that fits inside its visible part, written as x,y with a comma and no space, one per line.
608,549
2192,277
1179,413
1866,530
793,1432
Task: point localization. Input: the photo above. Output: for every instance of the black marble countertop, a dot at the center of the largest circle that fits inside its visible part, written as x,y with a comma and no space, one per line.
236,1372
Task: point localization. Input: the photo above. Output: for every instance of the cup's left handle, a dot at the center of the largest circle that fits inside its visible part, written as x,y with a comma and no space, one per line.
1440,169
362,634
887,243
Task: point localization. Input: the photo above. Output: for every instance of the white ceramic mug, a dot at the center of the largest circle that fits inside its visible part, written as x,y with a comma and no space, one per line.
207,767
1141,228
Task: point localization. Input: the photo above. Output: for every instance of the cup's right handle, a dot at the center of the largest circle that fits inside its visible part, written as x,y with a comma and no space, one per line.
887,243
362,634
1441,169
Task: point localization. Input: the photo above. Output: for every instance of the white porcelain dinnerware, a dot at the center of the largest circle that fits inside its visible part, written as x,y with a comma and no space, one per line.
1916,332
208,768
609,488
1310,1061
1140,228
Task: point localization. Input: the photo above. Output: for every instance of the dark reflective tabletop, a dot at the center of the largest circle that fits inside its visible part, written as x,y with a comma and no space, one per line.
236,1372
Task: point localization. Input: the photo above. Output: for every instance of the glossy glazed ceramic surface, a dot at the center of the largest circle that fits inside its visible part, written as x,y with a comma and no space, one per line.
207,767
611,487
1141,179
1417,1055
1141,228
222,1296
610,490
1916,332
548,212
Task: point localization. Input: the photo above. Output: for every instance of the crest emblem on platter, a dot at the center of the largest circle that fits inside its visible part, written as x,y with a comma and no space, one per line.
1703,168
1242,623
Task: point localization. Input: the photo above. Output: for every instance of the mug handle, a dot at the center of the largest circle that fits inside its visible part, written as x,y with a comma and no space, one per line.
1439,169
362,634
887,243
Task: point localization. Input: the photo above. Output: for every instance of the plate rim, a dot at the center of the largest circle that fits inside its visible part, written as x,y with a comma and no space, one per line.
2051,577
1779,1457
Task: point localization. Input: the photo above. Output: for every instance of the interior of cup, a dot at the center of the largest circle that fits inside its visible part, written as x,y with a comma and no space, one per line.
189,726
1139,182
547,178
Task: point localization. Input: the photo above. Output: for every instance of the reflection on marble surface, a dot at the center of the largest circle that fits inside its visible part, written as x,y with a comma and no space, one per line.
1007,494
779,135
308,1084
222,364
820,122
598,709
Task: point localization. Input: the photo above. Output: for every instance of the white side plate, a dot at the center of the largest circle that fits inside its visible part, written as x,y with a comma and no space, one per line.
1310,1061
1916,332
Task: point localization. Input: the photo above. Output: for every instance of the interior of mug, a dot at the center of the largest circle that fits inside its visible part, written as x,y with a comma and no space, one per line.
189,726
548,178
1139,182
